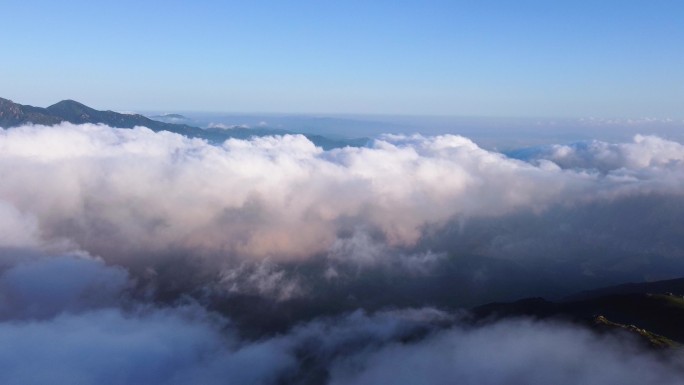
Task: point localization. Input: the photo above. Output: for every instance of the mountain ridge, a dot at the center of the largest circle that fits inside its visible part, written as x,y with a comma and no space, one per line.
14,114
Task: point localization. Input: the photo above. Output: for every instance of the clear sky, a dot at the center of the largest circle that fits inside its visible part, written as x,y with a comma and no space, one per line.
574,58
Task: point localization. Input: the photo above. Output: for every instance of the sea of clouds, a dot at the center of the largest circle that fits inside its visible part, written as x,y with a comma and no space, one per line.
129,256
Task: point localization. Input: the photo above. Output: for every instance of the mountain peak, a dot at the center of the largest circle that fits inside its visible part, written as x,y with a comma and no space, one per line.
68,103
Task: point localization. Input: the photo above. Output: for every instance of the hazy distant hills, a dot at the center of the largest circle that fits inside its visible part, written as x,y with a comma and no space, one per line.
14,114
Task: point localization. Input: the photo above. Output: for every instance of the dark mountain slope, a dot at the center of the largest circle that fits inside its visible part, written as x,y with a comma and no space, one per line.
670,285
652,310
13,114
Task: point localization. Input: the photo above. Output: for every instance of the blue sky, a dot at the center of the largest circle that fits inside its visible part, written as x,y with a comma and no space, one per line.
467,58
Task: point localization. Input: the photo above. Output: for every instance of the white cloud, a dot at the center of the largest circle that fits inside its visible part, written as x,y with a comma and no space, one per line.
17,230
175,346
137,198
252,212
645,152
128,191
519,352
189,345
224,126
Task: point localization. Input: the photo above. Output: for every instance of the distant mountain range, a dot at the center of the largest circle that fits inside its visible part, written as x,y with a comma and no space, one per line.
14,114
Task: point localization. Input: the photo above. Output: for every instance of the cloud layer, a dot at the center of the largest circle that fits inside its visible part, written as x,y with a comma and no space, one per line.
135,197
128,256
187,344
118,192
519,352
